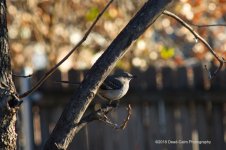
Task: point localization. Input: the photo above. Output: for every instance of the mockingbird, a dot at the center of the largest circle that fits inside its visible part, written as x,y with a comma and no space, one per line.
115,86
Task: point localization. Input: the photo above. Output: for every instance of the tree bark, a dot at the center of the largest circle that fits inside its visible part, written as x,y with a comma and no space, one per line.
68,124
8,134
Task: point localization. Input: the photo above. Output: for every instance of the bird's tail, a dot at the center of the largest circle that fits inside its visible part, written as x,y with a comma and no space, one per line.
68,82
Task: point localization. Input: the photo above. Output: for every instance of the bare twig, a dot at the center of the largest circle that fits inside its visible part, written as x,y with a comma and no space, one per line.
22,76
197,36
67,82
207,25
125,123
101,115
105,119
52,70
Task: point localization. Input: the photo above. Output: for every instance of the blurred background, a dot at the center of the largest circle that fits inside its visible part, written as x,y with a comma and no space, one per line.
172,98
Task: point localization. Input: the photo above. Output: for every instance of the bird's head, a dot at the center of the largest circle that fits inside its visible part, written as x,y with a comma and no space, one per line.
126,75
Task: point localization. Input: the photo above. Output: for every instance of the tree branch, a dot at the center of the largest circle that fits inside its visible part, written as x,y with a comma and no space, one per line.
208,25
8,110
52,70
22,76
197,36
66,127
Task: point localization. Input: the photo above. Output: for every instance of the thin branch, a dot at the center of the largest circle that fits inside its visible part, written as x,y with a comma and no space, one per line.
125,122
67,82
101,115
22,76
105,119
197,36
52,70
208,25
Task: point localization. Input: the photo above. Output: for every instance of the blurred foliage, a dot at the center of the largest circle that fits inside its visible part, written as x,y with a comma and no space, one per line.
92,14
167,53
42,31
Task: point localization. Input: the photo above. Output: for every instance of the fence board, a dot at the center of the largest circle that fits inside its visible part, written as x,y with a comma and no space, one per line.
75,76
44,126
170,126
222,83
108,138
217,80
80,141
150,75
135,130
122,136
181,78
140,82
186,125
217,130
192,109
96,138
202,125
154,130
198,77
168,80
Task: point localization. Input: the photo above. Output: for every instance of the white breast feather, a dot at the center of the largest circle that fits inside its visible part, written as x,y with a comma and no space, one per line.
114,94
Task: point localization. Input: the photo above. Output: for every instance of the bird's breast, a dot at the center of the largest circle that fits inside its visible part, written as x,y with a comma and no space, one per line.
114,94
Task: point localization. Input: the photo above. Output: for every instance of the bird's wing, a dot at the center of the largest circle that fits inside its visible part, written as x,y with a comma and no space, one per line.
111,84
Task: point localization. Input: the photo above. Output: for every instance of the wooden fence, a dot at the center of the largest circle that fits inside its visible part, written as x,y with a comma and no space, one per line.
169,105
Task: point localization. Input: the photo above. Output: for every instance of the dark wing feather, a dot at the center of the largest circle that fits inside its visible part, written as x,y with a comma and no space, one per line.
111,84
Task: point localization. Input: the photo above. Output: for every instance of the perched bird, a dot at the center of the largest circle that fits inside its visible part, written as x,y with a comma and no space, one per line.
115,86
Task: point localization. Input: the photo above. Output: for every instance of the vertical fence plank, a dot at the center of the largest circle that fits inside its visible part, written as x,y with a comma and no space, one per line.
108,138
217,130
186,125
44,125
170,125
146,124
95,130
140,83
216,82
50,85
75,75
193,109
36,77
223,80
168,82
122,136
135,130
198,77
79,142
154,130
181,79
202,125
150,75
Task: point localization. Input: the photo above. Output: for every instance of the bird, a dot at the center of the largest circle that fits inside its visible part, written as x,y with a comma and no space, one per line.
115,86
